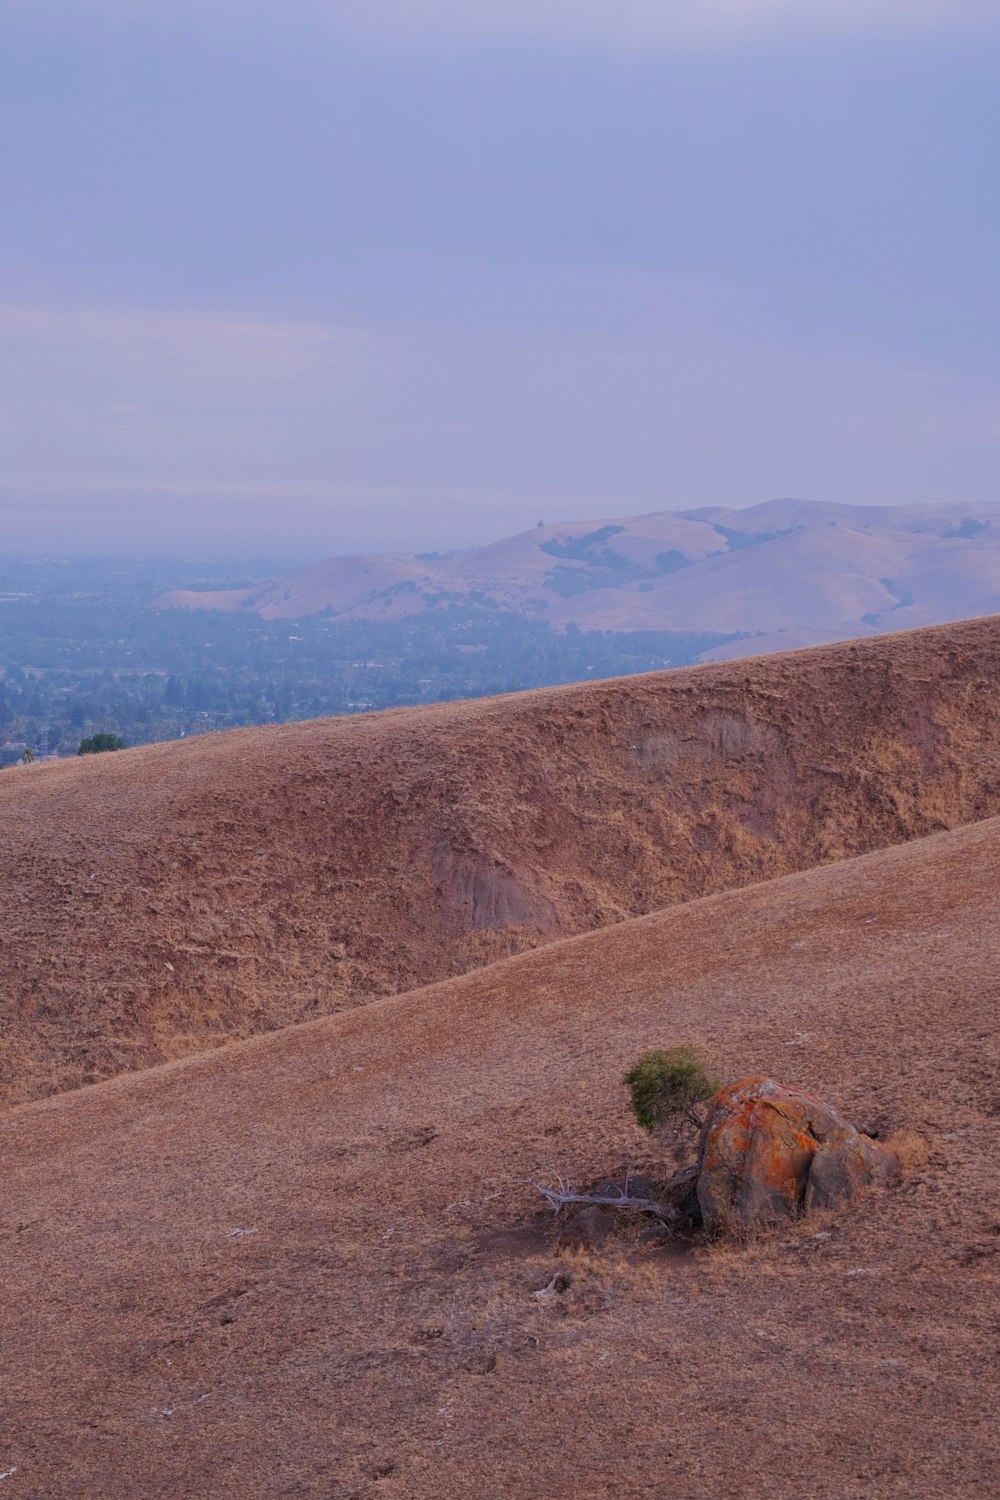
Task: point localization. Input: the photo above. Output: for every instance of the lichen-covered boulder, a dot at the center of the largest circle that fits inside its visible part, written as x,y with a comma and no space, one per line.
768,1151
840,1169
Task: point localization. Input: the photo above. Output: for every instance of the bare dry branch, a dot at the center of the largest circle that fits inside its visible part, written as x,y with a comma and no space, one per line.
637,1205
561,1197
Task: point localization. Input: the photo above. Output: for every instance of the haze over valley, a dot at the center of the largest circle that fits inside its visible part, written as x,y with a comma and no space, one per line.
109,647
785,573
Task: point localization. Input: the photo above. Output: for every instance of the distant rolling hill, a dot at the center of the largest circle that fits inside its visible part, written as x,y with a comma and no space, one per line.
163,900
787,573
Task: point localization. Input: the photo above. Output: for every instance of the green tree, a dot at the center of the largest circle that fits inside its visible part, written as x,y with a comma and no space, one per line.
665,1086
96,743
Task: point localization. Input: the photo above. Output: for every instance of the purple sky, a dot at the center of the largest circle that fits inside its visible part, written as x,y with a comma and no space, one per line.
414,273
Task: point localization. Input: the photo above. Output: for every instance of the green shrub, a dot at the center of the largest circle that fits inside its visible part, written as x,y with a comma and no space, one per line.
98,742
664,1087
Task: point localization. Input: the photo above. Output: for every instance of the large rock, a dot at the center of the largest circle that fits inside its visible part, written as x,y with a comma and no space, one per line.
840,1169
768,1152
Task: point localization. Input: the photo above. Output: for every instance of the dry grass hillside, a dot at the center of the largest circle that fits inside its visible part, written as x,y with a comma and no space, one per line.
789,572
307,1265
160,901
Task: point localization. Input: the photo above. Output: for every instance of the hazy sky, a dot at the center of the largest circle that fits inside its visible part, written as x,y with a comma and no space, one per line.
410,273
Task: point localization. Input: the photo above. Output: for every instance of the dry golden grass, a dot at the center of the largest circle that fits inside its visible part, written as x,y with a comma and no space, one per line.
174,898
307,1265
911,1150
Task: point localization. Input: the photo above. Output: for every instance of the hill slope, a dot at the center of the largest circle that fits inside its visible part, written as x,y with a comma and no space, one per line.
788,572
306,1265
161,900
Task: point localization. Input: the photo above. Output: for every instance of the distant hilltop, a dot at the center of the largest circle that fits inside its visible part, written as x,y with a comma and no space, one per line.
786,573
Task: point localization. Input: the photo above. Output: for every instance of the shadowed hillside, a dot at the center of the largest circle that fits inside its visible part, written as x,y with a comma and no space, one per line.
308,1265
162,900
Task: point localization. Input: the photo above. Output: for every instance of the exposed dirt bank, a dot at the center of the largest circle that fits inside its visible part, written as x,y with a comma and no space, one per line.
159,901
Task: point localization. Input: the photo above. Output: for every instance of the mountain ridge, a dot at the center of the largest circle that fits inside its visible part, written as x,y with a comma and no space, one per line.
779,572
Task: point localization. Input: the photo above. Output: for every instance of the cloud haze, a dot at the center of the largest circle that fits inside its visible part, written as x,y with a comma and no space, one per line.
621,26
315,436
643,26
415,275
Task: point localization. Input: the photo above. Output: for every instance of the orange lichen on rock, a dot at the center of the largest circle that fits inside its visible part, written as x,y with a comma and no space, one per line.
768,1151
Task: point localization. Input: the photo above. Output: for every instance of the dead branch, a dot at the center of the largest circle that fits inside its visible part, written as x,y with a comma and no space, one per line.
637,1205
560,1197
678,1184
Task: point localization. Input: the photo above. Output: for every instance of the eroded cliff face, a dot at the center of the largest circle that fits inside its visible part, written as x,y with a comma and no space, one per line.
165,900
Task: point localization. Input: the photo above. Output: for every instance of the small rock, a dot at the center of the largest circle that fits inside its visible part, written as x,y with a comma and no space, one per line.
627,1187
586,1230
560,1283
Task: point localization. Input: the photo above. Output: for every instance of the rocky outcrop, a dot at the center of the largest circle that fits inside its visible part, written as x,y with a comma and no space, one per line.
768,1152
